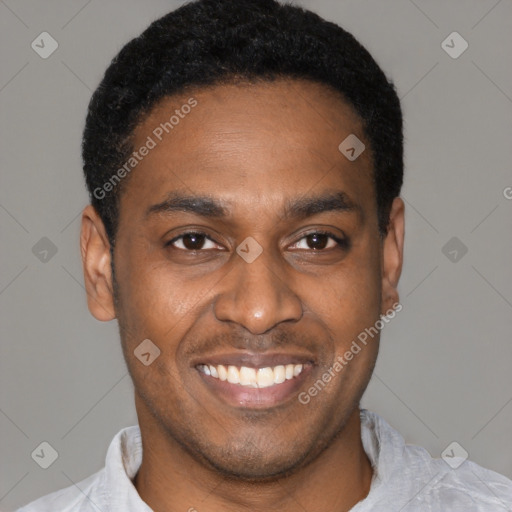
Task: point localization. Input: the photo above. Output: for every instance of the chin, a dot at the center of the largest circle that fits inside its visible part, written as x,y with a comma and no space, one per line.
256,469
259,458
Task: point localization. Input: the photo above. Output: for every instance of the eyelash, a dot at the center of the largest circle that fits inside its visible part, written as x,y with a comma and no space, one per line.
342,243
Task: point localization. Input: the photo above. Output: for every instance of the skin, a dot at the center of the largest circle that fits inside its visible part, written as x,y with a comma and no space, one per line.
254,147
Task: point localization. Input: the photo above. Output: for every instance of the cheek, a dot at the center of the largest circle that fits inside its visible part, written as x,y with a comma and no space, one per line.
160,303
158,299
350,300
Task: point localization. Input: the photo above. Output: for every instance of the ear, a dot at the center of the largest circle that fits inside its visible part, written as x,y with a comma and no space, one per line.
95,250
392,255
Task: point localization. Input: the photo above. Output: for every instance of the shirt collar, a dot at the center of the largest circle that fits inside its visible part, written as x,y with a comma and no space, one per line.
383,446
124,457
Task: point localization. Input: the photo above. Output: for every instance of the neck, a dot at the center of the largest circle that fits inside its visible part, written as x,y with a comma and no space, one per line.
169,478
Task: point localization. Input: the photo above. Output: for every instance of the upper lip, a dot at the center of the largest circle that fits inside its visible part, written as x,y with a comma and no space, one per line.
253,360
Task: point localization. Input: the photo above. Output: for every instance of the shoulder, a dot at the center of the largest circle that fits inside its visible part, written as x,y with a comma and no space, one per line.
456,483
407,476
85,496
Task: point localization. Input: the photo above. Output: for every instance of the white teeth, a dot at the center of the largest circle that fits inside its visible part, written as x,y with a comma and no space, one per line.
233,375
265,377
223,373
252,377
279,374
248,377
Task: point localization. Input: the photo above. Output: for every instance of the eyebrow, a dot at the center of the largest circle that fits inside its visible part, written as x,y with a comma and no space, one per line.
296,209
203,206
311,205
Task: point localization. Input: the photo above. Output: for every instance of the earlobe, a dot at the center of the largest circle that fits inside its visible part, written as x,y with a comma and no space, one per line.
95,251
392,255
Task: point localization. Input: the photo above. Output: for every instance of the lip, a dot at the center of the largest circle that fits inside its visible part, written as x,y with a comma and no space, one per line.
239,396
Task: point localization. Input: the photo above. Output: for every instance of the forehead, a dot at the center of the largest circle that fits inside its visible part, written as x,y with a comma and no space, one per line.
247,143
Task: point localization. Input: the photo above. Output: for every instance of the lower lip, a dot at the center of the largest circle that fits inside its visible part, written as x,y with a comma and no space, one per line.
255,398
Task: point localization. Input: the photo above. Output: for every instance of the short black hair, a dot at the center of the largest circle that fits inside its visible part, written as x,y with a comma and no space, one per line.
211,42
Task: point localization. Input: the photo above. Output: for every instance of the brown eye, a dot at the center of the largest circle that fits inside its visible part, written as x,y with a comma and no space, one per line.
318,241
191,241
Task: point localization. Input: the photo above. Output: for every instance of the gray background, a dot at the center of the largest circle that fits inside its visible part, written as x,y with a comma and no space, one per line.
444,369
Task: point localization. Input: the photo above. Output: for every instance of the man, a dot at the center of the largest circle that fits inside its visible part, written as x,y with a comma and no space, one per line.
244,161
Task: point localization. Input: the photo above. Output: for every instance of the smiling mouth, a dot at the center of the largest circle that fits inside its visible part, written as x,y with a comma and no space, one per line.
253,377
254,380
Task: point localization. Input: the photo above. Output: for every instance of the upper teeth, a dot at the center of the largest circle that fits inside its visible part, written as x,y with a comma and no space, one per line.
253,377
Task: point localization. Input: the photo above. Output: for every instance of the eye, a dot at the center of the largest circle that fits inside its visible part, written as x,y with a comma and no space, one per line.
319,240
192,241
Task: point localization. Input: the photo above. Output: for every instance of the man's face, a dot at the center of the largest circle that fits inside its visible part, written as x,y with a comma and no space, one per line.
267,155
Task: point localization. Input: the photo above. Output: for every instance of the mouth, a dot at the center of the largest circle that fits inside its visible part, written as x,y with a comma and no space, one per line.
253,381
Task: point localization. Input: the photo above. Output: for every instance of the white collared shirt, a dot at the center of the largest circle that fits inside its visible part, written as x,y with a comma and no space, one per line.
405,478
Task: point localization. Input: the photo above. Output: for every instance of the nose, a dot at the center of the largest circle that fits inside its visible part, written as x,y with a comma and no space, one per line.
257,295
